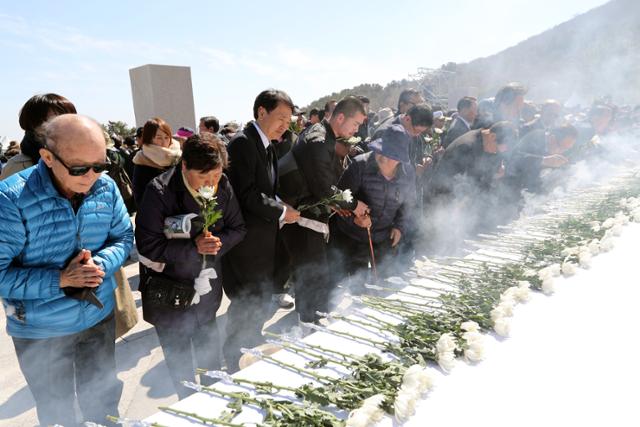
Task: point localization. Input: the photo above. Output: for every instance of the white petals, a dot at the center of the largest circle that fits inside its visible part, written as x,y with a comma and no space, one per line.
606,244
548,286
568,269
446,343
418,378
405,404
447,361
502,326
207,192
608,223
470,326
370,412
475,346
584,259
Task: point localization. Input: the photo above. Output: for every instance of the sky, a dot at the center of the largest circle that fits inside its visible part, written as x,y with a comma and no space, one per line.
84,49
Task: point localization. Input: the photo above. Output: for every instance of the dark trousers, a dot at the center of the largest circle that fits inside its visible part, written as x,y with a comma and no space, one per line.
282,272
245,317
308,253
350,259
177,348
82,364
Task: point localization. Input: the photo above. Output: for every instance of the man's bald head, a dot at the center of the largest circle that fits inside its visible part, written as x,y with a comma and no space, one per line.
70,132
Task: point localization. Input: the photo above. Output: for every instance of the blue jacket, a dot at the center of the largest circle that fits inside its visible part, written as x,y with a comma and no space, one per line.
40,234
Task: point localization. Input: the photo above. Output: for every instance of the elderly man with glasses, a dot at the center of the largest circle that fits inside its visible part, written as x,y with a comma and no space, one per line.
65,231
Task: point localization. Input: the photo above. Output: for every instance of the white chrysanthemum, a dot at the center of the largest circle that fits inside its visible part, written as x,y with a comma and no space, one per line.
568,269
595,226
616,230
417,377
594,247
368,413
584,259
606,244
608,223
347,196
545,273
621,218
405,404
633,202
509,294
447,360
470,326
501,311
548,286
502,326
555,269
207,192
523,294
524,284
446,343
475,346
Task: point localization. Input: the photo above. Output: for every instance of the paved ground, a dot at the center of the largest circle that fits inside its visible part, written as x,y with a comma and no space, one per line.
140,366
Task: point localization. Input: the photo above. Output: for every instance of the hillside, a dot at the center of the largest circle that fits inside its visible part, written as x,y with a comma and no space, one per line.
592,55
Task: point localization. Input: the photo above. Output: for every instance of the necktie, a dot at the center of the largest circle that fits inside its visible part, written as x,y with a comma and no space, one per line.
270,170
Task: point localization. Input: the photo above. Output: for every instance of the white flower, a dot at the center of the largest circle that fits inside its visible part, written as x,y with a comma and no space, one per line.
606,244
549,271
504,308
548,286
524,284
447,360
584,259
595,226
509,295
621,218
470,326
405,404
418,378
523,294
616,230
446,343
475,346
568,269
502,326
207,192
608,223
347,196
370,412
594,247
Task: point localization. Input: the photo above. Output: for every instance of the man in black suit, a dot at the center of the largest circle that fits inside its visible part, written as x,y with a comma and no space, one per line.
309,175
248,269
467,112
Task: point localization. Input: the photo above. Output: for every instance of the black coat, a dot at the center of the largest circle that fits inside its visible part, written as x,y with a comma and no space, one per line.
142,176
465,157
316,168
167,196
392,202
249,267
457,129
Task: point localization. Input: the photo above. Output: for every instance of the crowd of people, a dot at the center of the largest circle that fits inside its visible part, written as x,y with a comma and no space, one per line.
304,202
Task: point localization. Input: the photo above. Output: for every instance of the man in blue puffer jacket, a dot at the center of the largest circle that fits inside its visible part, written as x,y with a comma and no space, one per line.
65,231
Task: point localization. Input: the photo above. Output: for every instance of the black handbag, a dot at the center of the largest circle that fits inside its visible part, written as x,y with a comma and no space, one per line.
161,291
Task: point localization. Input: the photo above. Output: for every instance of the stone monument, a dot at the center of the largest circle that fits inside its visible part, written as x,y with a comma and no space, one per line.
163,91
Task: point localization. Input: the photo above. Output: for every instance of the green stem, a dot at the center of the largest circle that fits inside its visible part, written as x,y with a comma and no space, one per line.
203,420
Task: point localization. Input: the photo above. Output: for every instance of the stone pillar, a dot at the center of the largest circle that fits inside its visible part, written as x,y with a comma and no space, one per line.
163,91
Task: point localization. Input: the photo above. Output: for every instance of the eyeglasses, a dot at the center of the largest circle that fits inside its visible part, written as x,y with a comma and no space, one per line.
81,170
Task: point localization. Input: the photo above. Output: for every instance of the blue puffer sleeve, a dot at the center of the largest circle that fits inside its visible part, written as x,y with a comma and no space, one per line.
21,283
118,245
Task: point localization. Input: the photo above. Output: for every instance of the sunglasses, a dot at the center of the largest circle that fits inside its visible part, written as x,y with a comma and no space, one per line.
81,170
